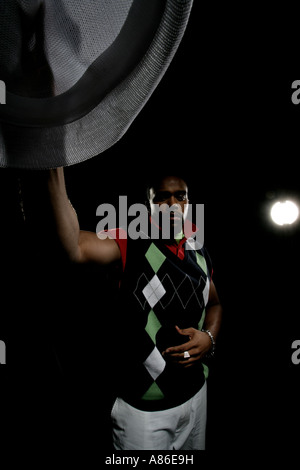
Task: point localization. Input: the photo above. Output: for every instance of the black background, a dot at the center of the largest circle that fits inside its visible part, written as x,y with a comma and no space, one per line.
222,115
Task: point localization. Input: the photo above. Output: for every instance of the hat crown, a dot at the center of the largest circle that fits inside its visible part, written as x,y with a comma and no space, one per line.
54,42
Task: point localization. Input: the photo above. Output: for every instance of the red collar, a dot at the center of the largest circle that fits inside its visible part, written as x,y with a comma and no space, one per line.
177,246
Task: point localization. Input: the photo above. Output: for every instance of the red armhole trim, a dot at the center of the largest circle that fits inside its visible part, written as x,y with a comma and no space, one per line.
122,244
120,237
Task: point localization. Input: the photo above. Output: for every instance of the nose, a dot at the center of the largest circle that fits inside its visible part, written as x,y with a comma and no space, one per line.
172,202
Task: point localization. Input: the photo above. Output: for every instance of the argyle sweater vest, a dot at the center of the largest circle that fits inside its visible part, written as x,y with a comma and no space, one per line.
158,291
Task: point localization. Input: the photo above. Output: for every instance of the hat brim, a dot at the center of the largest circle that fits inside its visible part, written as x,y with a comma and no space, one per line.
90,117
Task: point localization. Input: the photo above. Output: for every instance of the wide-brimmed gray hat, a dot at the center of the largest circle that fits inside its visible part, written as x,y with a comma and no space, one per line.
77,72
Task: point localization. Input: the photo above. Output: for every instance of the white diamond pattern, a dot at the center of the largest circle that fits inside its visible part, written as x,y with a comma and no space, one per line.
155,363
154,291
206,291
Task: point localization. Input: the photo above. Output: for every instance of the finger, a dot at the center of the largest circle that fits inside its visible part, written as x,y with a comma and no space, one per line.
177,349
185,331
189,362
181,348
180,355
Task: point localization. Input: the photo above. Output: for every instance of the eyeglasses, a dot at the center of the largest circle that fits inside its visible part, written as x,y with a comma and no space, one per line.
162,196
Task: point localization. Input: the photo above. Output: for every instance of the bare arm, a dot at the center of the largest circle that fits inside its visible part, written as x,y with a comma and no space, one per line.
213,315
80,246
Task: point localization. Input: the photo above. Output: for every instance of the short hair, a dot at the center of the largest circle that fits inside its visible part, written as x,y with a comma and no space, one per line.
155,180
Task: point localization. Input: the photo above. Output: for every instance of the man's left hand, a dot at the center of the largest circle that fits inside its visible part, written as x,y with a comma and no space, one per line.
198,345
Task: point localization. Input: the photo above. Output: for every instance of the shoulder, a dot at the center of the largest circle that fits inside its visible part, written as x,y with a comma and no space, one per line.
119,235
203,256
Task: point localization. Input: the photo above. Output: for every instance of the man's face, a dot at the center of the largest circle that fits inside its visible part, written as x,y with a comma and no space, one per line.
172,192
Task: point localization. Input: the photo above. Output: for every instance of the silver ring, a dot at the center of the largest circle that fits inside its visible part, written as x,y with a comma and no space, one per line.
186,355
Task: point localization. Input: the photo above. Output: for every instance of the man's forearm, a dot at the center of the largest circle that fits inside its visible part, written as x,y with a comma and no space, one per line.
67,225
213,319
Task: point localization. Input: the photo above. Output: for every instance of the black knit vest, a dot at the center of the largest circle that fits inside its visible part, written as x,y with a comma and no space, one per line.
158,291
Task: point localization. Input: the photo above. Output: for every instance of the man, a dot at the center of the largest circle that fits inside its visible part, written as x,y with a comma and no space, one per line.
167,322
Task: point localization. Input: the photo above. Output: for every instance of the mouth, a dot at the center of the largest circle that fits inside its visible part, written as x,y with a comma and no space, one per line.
176,216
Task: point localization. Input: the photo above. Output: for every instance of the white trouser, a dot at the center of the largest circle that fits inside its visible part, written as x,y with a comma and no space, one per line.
182,427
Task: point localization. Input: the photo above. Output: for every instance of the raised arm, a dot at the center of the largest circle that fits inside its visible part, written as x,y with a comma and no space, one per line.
80,246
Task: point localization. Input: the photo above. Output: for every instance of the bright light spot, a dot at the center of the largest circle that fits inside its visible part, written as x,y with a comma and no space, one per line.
284,213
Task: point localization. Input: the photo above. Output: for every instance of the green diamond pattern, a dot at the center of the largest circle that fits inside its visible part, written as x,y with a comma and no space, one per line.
153,393
200,324
201,261
155,257
153,325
